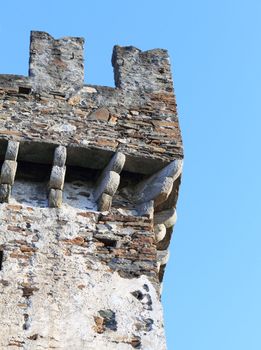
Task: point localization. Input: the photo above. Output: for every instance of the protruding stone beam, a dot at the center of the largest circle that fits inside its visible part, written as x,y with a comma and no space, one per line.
163,220
12,150
108,182
162,258
57,177
146,209
116,164
166,217
8,171
160,231
104,202
158,186
60,155
55,198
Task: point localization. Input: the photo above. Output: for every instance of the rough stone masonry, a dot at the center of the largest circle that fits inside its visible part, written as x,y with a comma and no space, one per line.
88,189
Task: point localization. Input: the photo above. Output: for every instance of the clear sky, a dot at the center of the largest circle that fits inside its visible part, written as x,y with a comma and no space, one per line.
212,292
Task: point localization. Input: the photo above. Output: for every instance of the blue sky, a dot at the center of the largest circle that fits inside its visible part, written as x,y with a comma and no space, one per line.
212,291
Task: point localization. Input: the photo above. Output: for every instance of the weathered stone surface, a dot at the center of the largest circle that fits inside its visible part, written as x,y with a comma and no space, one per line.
8,172
59,158
57,177
5,191
116,163
63,266
108,184
12,150
55,198
162,257
56,65
105,202
160,232
137,70
146,209
139,125
166,217
87,273
159,186
100,114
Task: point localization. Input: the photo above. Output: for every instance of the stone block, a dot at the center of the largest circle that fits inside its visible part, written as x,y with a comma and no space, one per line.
157,190
104,203
57,177
173,169
60,154
116,163
109,184
56,65
135,70
12,150
160,232
8,172
166,217
100,114
162,257
146,209
55,198
5,192
158,186
109,179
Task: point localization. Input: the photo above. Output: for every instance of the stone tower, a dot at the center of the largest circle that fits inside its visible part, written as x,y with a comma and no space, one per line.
88,189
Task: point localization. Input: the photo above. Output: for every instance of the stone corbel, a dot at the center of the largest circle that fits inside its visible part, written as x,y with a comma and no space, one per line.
162,221
8,170
158,186
162,258
108,182
57,177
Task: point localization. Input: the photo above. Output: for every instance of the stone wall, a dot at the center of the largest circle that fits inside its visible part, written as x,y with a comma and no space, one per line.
89,184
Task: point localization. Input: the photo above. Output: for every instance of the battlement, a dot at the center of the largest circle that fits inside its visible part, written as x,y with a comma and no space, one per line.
147,71
57,66
137,117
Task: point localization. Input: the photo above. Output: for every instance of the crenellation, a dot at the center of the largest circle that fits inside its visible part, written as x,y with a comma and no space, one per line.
88,189
147,71
56,65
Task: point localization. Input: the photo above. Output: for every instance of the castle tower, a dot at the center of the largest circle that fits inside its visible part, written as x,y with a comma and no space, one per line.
88,189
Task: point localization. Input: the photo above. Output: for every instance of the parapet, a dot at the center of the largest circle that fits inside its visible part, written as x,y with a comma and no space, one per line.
57,65
138,117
